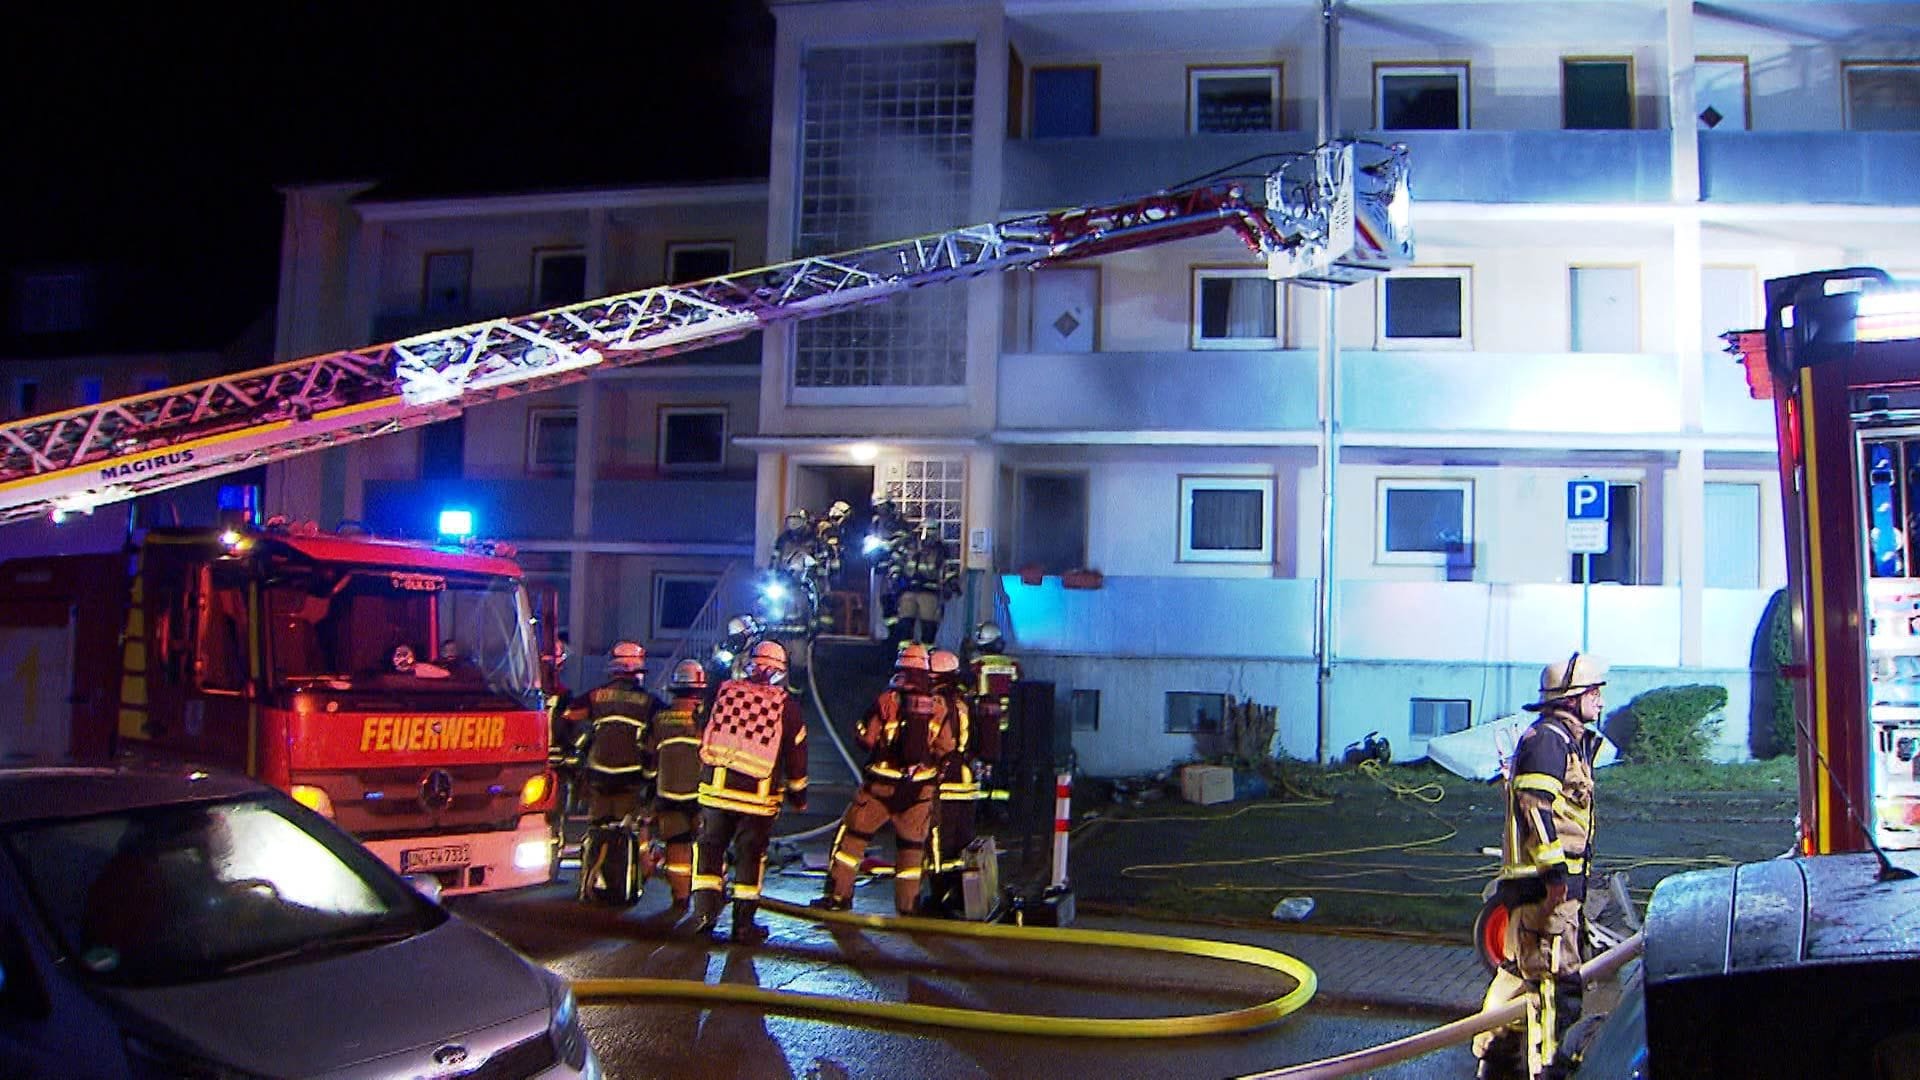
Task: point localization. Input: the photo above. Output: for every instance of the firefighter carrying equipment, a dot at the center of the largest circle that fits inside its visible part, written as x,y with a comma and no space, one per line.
745,731
738,800
1263,1014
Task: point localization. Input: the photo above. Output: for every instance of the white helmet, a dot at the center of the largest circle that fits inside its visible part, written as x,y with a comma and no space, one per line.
1568,678
627,658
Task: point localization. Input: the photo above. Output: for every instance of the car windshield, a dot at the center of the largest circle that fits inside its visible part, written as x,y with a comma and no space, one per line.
194,891
385,630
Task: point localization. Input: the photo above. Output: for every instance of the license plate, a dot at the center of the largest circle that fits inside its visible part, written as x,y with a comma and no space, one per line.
435,858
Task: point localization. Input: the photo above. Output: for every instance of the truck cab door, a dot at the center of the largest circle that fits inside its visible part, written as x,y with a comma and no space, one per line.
222,698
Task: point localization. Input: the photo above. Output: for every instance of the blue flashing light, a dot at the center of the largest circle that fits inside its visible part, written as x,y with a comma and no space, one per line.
456,523
375,796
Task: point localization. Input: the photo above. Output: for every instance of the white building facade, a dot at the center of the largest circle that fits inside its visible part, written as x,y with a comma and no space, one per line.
1600,190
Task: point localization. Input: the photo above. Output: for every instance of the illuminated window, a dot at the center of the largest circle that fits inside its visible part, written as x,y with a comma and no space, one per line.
1420,97
1233,99
1226,519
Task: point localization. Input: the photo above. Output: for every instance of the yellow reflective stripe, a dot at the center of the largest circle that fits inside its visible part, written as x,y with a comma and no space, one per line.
627,720
1534,781
882,770
797,785
1549,854
1578,814
800,736
679,868
676,740
704,883
845,859
1576,866
593,766
907,875
745,892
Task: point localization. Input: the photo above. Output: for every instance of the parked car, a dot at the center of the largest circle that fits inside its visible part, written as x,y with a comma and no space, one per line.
181,923
1784,968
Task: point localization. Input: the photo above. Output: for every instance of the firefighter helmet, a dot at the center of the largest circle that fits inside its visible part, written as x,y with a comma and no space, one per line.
797,518
627,658
941,662
912,658
688,675
768,661
1568,678
987,638
839,511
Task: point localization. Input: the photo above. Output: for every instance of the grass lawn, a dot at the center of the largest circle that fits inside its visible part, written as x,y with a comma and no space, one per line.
1402,850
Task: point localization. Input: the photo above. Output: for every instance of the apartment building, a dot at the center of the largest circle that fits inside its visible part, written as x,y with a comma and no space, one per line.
626,494
1600,190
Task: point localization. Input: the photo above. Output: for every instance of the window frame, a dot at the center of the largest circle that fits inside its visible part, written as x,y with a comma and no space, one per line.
427,262
666,413
1633,85
1192,482
1847,68
541,256
657,594
535,417
1166,719
1033,98
1384,484
1746,87
1196,275
1074,698
1413,704
1020,478
1461,69
676,248
1635,526
1639,295
1463,343
1274,73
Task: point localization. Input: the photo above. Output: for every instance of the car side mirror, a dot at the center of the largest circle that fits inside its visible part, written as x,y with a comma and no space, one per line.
425,884
22,994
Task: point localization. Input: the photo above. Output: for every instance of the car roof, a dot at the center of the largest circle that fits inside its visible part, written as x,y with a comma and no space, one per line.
37,793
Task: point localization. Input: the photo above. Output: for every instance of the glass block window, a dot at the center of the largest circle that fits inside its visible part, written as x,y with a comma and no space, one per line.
932,490
886,147
1440,716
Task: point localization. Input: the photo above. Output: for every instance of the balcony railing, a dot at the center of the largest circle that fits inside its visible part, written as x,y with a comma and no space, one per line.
1844,167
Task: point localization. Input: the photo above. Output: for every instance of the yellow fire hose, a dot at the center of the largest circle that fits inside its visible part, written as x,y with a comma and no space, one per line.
606,991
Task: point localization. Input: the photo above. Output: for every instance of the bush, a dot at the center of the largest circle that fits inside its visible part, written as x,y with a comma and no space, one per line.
1783,739
1675,723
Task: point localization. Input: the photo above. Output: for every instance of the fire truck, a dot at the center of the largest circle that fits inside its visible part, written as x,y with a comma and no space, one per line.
1840,359
396,687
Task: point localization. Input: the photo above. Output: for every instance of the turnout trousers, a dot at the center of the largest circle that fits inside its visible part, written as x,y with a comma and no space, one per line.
748,834
908,805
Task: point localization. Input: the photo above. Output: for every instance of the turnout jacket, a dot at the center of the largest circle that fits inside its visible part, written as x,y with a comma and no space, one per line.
619,713
1549,828
908,731
743,793
676,747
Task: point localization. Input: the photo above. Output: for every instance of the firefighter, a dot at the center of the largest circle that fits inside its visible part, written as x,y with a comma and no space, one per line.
676,759
796,567
884,547
906,733
991,678
961,773
925,582
830,537
754,753
1544,859
614,750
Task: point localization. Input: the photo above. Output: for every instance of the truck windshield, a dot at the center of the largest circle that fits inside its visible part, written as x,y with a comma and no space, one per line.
402,630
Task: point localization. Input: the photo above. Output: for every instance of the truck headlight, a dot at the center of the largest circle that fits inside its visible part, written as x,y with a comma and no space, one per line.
313,798
534,791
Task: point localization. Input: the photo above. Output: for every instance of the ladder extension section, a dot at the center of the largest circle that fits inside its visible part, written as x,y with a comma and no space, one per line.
73,461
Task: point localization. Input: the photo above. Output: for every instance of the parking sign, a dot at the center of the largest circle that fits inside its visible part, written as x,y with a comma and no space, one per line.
1587,517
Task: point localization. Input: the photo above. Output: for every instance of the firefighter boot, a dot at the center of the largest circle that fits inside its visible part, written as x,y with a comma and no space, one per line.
745,930
702,916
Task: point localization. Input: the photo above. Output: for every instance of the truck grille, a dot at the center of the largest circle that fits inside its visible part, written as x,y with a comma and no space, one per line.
387,801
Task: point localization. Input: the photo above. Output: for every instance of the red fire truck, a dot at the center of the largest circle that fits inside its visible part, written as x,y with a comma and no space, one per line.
395,688
1840,358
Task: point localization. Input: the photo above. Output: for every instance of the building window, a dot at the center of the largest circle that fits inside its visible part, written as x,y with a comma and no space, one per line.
447,283
54,303
1066,102
1733,536
1233,99
1720,93
552,439
693,438
559,277
932,491
1235,309
1605,309
1620,564
1065,312
1226,519
1423,522
917,101
1596,93
1883,96
90,390
1420,97
1195,714
443,449
1426,307
678,600
1085,708
26,396
698,262
1052,523
1440,716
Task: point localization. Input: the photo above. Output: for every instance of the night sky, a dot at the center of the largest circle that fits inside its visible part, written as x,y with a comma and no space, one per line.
150,141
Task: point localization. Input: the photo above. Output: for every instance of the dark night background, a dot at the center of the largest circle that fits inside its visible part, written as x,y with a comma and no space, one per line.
148,142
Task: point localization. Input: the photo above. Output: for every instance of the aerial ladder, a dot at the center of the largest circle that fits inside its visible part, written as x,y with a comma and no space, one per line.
1331,217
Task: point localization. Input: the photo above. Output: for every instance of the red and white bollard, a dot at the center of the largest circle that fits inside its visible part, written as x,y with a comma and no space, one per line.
1062,818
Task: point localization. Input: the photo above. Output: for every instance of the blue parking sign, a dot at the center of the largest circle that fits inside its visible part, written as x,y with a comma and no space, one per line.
1586,500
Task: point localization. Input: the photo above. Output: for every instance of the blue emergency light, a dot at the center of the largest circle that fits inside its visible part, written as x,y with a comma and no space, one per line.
456,524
